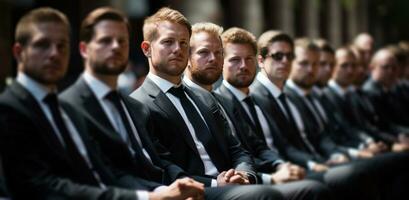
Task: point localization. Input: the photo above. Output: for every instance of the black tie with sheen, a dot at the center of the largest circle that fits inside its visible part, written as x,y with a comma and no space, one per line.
202,131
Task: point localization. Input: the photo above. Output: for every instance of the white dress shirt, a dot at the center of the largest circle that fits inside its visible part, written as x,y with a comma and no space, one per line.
240,96
100,90
164,86
276,92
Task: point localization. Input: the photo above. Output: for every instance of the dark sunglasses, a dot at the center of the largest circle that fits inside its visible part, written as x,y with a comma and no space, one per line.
280,55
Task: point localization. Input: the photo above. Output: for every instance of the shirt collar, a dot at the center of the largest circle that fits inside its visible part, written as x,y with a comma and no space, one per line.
236,92
290,83
163,84
99,88
38,90
271,87
338,89
317,90
192,84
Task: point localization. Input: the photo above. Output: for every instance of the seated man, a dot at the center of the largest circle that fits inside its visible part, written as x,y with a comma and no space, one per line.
46,151
120,120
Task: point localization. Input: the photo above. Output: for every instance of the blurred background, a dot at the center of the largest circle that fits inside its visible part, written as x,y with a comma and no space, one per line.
338,21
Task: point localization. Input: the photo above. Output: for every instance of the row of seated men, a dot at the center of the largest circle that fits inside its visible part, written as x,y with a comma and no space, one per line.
262,134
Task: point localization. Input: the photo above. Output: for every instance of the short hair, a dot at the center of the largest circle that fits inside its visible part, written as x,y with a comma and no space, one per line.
24,28
348,50
271,36
399,53
207,27
150,30
306,43
324,46
239,36
93,18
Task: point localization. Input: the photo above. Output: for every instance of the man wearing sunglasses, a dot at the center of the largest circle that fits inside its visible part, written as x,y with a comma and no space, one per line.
276,53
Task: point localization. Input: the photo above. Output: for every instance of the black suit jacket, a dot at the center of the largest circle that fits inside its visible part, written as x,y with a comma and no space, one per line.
351,135
286,139
168,126
252,140
35,162
392,115
79,95
319,138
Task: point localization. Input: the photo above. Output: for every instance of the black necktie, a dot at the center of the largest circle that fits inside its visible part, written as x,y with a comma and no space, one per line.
115,98
319,120
201,130
283,100
71,148
256,122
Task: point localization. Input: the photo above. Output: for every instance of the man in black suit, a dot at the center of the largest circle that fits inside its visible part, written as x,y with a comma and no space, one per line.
378,89
316,120
195,135
127,141
275,58
46,151
204,68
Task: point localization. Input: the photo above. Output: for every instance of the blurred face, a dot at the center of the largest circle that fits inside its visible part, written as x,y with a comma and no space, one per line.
360,72
45,57
277,70
326,66
206,58
168,52
344,73
304,67
365,46
239,64
107,52
384,68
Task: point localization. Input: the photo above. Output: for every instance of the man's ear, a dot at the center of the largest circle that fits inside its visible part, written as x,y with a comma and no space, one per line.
146,48
260,61
83,49
17,51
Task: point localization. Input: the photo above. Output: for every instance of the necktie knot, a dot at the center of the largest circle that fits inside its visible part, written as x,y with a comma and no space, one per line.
51,99
282,97
249,101
113,96
177,91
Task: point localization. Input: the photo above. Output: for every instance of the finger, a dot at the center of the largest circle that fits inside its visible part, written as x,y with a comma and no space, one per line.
229,173
237,179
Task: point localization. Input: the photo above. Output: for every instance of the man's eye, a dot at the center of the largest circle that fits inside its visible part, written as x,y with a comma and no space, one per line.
42,44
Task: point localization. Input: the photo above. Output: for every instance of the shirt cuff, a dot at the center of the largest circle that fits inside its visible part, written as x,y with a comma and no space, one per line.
278,162
311,164
214,183
266,178
142,195
353,152
335,156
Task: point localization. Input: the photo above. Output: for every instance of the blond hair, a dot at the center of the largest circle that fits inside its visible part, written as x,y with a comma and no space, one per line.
306,43
207,27
239,36
150,31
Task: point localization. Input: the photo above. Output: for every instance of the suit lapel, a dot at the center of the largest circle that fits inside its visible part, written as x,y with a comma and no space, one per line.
26,100
211,113
166,106
91,105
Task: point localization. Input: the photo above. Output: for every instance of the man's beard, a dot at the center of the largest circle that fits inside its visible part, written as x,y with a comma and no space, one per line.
205,78
103,69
